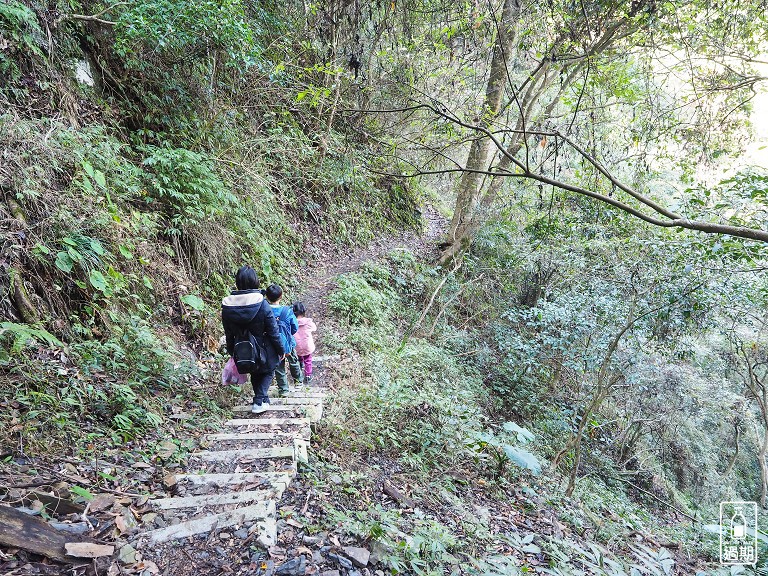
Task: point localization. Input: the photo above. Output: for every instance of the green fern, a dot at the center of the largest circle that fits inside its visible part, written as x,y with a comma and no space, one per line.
18,24
19,335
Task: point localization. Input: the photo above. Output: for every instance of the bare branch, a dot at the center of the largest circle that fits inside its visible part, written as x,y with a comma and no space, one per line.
87,19
670,219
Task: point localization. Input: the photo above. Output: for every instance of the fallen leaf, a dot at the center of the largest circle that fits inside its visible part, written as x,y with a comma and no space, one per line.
146,567
277,553
166,449
101,502
294,523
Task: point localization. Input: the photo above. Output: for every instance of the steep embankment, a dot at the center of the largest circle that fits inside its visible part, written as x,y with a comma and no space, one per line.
415,463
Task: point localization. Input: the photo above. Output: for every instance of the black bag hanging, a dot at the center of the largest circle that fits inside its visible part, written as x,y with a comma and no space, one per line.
249,356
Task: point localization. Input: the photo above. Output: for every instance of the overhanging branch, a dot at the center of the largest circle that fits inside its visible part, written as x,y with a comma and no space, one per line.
660,215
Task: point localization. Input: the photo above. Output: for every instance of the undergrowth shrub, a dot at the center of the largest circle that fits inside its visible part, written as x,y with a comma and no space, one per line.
359,303
324,186
175,28
112,390
20,37
175,57
185,183
415,399
412,544
415,407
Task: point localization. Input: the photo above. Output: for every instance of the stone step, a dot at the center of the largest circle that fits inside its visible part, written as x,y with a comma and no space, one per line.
313,411
245,436
253,453
303,392
295,400
216,499
261,422
276,479
263,514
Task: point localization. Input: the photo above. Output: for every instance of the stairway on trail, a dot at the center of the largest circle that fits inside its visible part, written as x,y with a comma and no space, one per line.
237,481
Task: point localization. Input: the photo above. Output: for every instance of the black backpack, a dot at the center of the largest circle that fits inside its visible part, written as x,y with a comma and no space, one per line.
248,354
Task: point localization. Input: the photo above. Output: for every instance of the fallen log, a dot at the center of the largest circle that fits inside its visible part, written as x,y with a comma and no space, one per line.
33,534
396,495
54,504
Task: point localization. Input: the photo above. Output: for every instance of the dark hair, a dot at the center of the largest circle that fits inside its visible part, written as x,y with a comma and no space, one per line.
246,279
273,293
299,309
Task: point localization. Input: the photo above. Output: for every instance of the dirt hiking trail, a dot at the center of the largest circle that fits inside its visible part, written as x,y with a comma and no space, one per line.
225,514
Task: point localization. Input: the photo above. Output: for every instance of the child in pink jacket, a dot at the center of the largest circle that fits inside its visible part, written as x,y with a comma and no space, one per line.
305,344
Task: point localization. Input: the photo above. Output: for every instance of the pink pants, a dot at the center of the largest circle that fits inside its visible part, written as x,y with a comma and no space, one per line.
306,364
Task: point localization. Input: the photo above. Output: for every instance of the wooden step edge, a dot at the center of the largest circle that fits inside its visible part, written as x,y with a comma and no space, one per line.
246,436
261,422
313,412
302,392
300,448
273,407
296,400
326,358
221,479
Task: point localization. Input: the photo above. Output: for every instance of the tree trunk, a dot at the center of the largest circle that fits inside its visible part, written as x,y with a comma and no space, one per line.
763,466
27,311
467,217
732,463
19,530
604,386
471,182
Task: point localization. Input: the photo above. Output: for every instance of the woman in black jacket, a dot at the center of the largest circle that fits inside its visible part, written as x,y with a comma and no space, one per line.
247,309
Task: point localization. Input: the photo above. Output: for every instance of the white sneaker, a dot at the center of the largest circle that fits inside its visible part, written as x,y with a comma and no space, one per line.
258,408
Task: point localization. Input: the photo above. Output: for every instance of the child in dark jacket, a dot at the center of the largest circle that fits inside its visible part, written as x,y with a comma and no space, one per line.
246,309
305,343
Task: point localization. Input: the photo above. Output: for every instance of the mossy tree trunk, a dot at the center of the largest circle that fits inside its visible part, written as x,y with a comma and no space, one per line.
20,295
477,160
533,102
